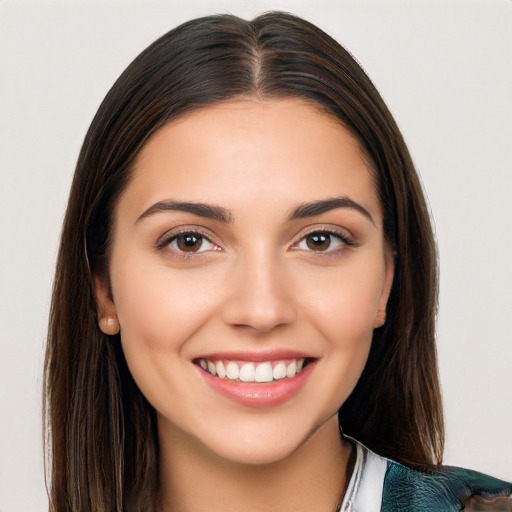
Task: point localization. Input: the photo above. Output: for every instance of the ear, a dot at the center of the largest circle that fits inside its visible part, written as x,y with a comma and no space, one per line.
389,272
107,316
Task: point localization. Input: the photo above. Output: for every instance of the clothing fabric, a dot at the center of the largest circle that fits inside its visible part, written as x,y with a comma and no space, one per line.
378,484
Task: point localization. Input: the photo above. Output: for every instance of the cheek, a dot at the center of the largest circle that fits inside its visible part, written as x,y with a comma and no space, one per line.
344,307
342,310
158,312
157,306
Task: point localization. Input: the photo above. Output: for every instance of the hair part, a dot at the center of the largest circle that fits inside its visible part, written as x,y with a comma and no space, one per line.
101,431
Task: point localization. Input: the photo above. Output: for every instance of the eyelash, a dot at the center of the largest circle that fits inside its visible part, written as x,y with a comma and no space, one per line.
333,233
170,238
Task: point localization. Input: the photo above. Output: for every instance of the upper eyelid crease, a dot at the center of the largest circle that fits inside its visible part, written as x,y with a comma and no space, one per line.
333,229
347,239
339,232
174,233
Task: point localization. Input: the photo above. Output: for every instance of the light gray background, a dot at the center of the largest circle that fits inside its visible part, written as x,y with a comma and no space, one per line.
445,70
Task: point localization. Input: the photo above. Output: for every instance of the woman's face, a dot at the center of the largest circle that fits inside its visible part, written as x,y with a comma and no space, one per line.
249,242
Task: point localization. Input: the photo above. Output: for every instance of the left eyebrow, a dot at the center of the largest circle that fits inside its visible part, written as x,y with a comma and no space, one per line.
325,205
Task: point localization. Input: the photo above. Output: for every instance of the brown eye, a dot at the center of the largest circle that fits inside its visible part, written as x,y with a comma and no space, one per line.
190,242
318,241
324,241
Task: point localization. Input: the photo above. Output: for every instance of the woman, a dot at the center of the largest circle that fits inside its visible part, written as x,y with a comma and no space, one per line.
247,266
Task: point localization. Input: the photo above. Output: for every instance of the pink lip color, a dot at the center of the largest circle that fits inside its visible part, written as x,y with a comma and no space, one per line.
261,394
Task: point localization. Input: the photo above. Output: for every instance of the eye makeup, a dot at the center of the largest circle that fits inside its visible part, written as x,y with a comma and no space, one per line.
187,242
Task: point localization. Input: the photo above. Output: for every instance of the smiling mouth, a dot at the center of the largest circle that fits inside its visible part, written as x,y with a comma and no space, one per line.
260,372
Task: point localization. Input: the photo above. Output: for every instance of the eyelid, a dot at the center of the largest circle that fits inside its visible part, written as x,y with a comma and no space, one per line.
164,240
342,233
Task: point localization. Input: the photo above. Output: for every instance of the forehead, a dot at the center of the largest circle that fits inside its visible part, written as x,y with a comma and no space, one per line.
282,151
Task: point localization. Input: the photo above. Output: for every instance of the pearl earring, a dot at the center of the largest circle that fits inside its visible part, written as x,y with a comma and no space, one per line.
380,319
109,325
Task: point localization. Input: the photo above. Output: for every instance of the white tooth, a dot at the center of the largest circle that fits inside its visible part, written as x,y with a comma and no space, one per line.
247,373
202,364
263,373
232,371
279,371
221,371
211,368
291,369
300,365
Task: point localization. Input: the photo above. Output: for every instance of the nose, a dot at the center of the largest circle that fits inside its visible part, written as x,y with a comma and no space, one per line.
258,294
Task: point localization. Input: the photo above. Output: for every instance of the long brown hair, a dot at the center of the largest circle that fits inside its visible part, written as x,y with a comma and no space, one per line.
100,430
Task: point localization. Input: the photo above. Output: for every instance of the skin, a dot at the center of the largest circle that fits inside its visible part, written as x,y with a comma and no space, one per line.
256,283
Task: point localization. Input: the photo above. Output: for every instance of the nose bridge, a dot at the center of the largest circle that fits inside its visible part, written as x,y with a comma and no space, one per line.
257,291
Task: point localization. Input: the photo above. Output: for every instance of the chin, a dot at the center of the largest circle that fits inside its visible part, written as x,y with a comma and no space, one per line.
257,454
266,444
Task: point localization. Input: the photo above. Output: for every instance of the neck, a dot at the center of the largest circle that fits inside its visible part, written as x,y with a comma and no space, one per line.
193,479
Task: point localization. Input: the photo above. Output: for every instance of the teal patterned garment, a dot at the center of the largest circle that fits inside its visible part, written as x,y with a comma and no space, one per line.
378,484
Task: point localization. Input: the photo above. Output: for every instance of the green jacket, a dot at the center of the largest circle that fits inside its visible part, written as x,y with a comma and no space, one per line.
378,484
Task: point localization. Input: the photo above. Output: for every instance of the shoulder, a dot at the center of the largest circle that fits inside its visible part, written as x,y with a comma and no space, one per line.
448,488
380,484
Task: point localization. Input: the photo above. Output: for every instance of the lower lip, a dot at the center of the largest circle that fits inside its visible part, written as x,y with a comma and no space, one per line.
260,394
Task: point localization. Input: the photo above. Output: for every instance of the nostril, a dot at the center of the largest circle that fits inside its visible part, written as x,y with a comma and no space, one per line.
257,298
259,317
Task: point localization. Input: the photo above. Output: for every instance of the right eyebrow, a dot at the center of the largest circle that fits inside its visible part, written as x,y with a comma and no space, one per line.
208,211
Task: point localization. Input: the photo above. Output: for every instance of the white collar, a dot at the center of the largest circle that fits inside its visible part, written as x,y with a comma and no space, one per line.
364,491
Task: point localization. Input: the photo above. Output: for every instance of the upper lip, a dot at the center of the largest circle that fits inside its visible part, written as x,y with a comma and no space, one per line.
255,356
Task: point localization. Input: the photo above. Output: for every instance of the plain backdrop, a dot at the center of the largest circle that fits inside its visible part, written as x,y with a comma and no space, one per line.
443,67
